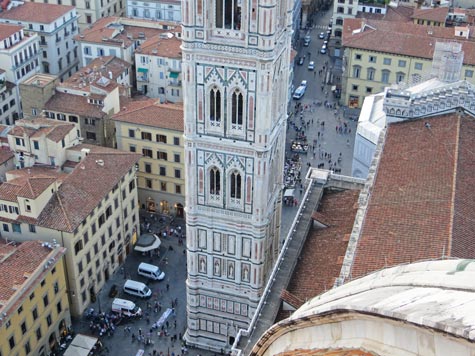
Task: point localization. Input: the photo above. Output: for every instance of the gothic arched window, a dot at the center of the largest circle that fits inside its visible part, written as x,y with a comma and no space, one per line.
236,185
228,14
215,105
214,181
237,108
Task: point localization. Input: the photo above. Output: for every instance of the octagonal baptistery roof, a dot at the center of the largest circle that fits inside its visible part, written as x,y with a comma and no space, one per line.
425,308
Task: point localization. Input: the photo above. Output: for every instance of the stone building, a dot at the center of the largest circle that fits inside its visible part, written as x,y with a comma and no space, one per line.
235,76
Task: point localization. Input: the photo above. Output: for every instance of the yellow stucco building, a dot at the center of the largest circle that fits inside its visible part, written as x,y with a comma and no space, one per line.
156,131
34,303
380,53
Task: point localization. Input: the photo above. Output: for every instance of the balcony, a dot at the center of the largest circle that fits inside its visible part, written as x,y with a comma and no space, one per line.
174,83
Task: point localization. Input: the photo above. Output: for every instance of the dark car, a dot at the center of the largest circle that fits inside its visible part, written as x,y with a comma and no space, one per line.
300,61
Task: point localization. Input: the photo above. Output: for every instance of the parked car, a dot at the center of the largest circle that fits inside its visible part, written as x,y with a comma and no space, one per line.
311,65
306,40
323,50
300,61
321,35
299,92
303,83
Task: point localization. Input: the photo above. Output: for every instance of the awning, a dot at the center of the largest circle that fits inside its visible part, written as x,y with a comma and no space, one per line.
81,345
142,70
147,242
174,75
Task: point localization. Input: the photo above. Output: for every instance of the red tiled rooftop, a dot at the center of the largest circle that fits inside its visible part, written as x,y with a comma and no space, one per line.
422,203
7,30
152,113
29,187
438,14
161,46
18,262
318,264
405,39
73,104
85,187
36,12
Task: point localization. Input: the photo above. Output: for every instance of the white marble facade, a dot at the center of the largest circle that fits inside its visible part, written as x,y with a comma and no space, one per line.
236,57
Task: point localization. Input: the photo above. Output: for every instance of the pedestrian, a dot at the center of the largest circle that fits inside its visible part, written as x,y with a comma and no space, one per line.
168,287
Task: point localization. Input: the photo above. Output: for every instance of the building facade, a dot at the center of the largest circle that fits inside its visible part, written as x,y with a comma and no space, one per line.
35,307
56,25
162,10
158,68
90,11
89,207
156,131
235,72
370,64
9,101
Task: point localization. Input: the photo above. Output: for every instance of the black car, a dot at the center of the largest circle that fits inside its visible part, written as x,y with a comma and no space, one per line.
300,61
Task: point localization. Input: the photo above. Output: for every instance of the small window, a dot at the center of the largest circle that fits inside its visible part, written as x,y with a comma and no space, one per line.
177,189
146,136
358,56
176,158
162,138
148,168
35,313
148,183
163,171
132,148
131,133
162,155
45,300
38,333
177,173
36,145
11,342
163,186
401,63
176,141
387,61
468,73
49,321
147,152
20,309
372,59
354,87
23,328
369,90
418,66
32,228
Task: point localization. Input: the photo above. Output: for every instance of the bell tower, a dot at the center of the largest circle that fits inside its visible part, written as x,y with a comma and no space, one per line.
236,57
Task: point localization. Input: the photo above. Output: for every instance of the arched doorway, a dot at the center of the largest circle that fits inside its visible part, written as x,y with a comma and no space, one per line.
52,342
164,207
62,329
180,211
151,206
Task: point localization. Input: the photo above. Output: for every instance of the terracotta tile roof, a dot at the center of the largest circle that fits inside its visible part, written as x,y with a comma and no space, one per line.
103,66
85,187
37,127
73,104
5,154
400,13
161,46
36,12
29,187
8,30
422,203
152,113
369,15
107,30
438,14
401,38
291,299
16,262
318,264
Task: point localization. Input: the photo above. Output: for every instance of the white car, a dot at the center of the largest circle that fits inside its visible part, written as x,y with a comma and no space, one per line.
321,35
323,50
311,65
299,92
303,83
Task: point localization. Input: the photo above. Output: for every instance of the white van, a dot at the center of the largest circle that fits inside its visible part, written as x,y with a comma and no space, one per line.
150,271
137,288
125,307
